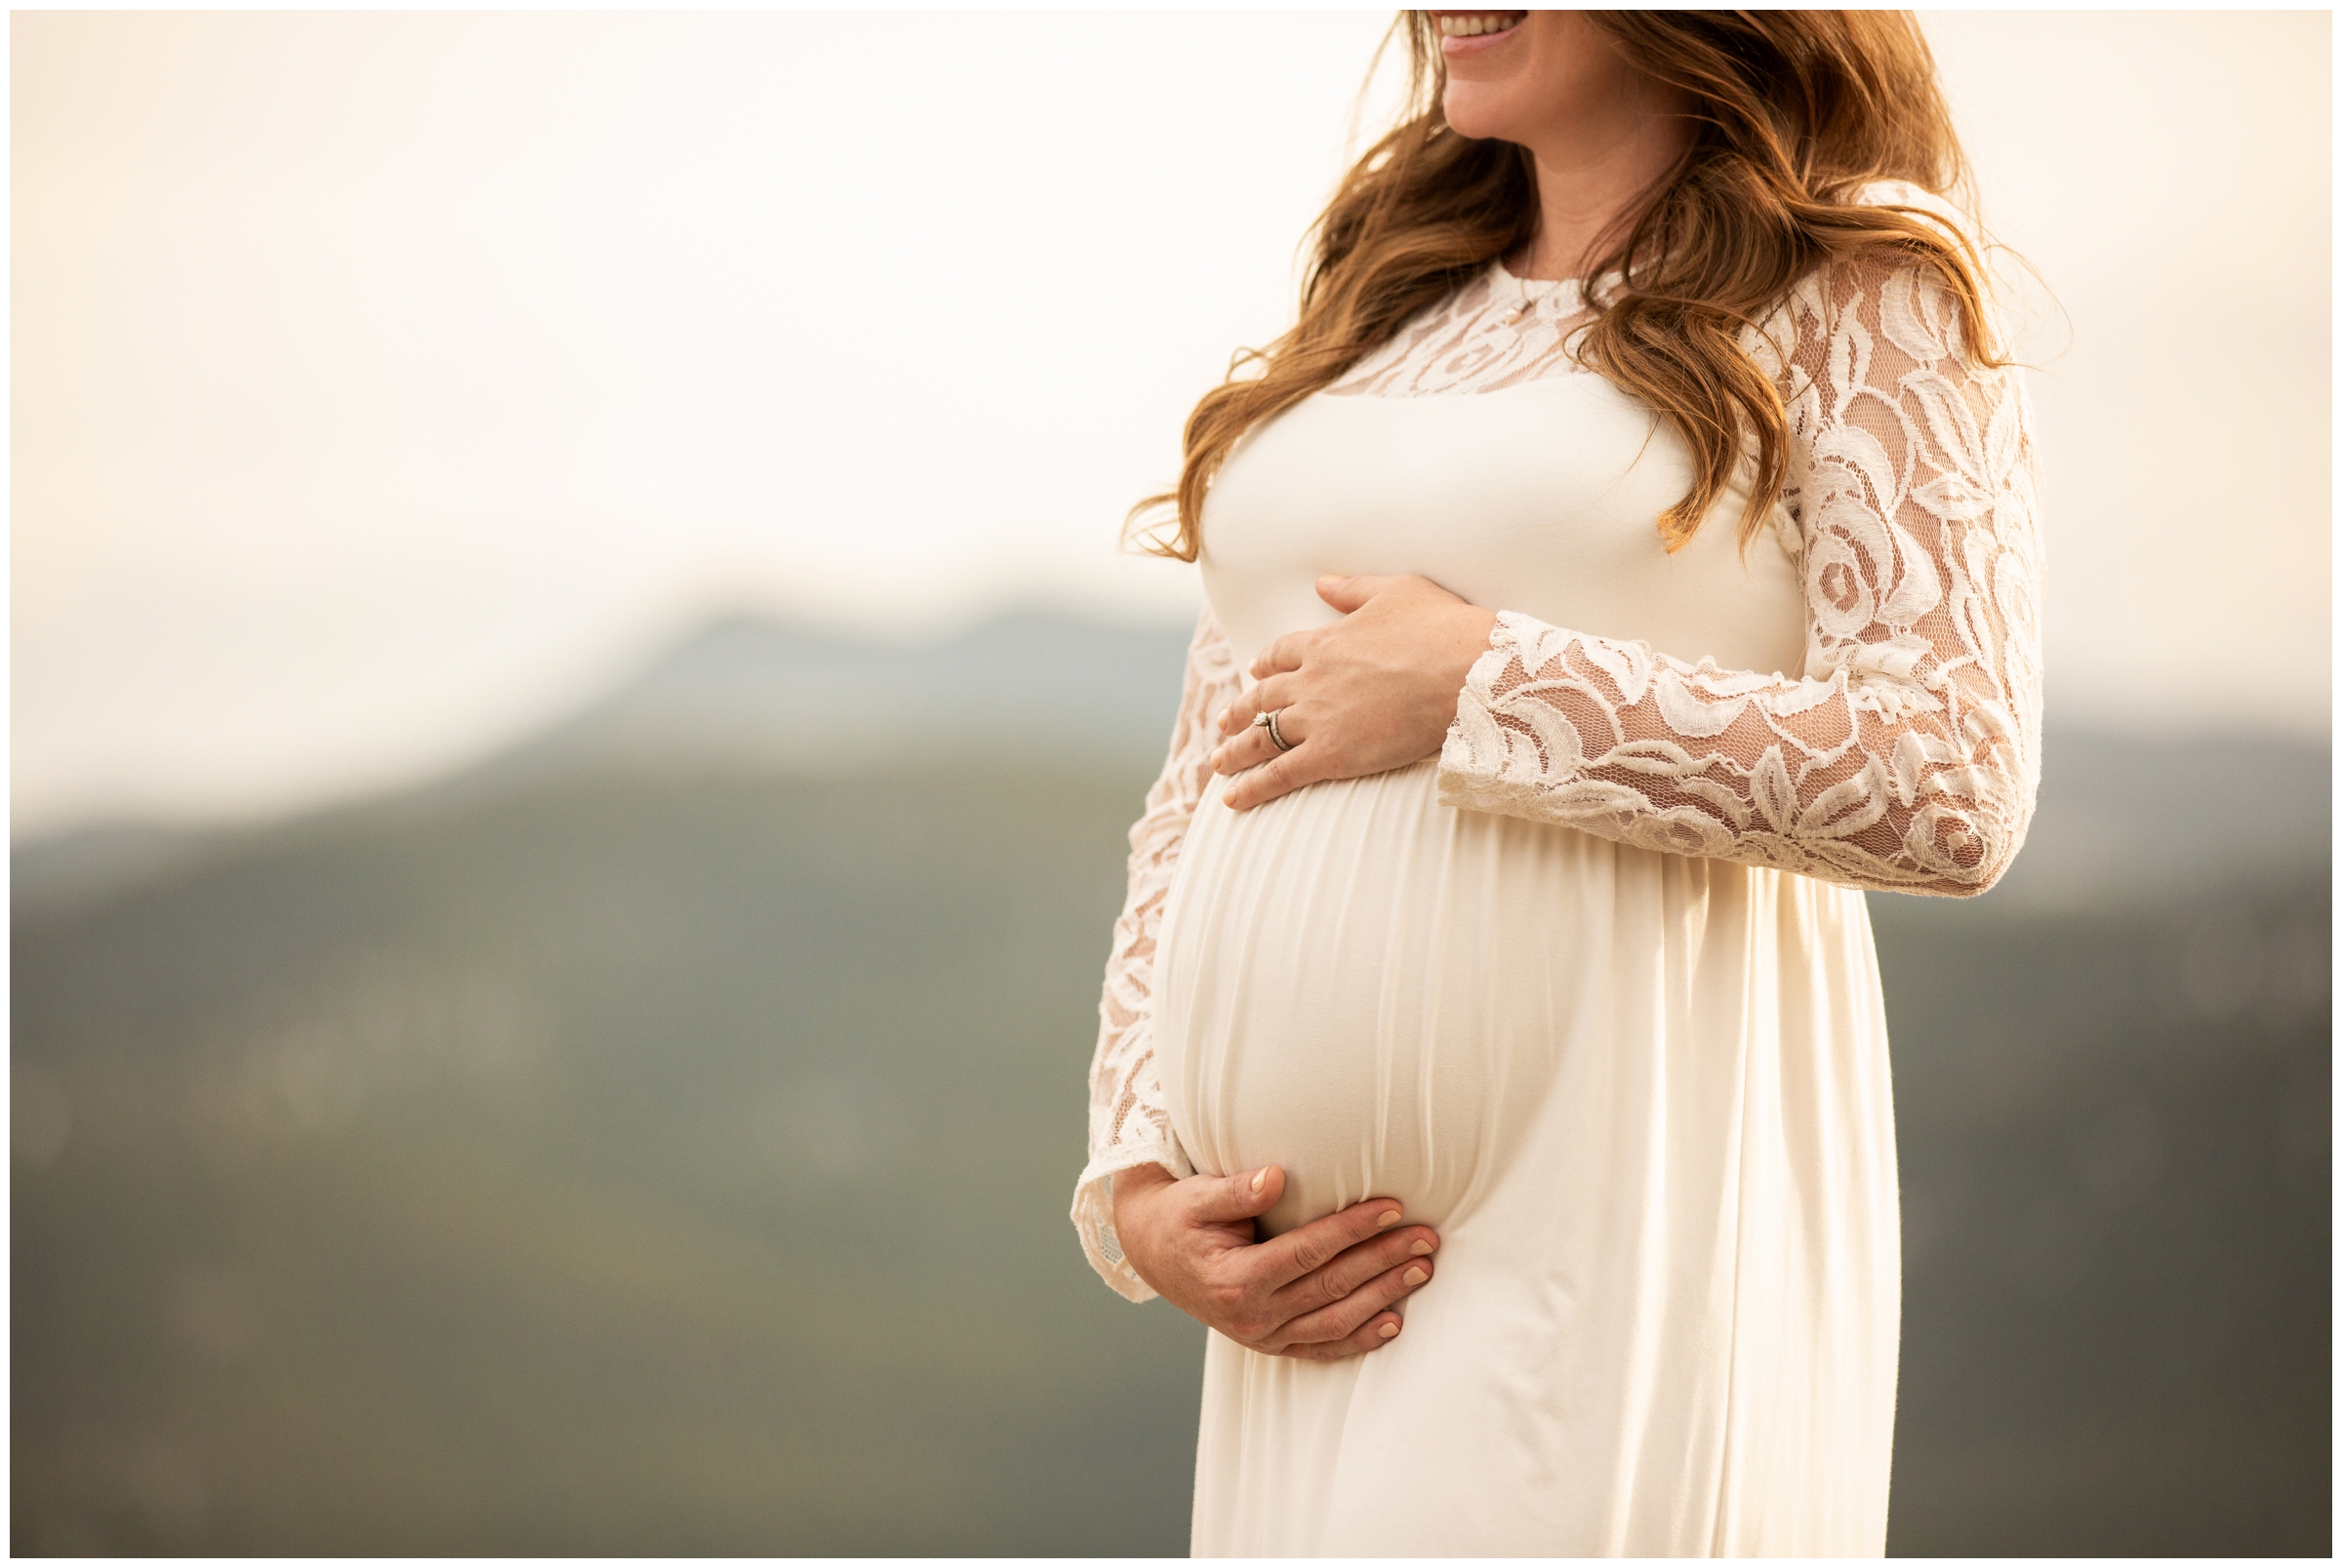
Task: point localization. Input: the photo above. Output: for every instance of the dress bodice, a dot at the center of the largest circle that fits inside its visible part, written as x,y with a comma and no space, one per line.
1542,497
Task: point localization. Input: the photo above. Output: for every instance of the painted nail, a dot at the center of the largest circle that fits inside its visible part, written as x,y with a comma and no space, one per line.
1260,1178
1390,1217
1421,1249
1413,1276
1387,1330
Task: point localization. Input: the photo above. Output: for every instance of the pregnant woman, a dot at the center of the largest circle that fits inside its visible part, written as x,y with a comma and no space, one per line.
1627,559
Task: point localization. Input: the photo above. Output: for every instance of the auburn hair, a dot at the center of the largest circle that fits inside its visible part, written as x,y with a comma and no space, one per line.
1796,111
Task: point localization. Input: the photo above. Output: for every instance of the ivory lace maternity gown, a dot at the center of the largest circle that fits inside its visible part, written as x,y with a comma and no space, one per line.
1593,991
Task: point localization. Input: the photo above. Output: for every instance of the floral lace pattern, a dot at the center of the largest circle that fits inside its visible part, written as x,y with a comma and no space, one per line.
1906,757
1128,1124
1495,332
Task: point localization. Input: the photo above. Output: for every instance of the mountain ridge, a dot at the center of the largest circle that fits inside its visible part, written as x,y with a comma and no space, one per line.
2120,817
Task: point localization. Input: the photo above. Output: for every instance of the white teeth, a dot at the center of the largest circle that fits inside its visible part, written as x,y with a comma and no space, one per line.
1473,25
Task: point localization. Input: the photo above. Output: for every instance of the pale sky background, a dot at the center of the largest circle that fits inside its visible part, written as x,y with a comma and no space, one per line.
385,382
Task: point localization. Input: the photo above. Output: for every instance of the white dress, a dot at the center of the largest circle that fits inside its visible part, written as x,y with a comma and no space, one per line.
1592,992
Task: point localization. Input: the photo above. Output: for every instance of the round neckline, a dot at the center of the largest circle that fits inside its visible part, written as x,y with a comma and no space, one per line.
1517,279
1540,290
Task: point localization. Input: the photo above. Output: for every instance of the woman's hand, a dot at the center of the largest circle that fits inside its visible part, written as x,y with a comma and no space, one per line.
1318,1293
1374,690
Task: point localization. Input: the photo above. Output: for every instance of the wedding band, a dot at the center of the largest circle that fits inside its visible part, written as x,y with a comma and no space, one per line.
1277,738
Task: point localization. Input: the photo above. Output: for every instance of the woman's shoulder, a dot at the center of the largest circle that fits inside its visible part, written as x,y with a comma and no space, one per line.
1874,266
1889,288
1904,193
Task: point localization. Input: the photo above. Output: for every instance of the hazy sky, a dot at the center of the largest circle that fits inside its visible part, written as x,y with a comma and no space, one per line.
383,381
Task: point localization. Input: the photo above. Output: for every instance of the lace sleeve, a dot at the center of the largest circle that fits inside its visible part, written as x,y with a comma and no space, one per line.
1128,1125
1908,756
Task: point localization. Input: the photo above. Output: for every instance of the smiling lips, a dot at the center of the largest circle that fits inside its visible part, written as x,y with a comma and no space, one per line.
1475,23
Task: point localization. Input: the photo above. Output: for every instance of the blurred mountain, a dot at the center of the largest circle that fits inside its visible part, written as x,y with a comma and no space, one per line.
657,1140
2124,818
2120,818
748,691
2115,1136
54,870
634,1165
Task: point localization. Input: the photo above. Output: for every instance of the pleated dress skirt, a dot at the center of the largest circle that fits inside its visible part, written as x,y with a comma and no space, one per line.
1644,1099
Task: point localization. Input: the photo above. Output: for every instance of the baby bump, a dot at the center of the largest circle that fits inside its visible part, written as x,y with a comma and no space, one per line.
1373,990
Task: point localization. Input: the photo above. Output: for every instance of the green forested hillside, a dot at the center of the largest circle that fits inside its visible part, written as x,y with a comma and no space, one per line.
2114,1131
628,1168
680,1165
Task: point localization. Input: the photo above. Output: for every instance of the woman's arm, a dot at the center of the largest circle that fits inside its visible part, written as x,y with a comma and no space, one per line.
1908,754
1128,1124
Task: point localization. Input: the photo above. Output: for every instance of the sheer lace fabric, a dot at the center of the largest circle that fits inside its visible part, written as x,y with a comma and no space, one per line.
1128,1124
1908,756
1495,332
1905,757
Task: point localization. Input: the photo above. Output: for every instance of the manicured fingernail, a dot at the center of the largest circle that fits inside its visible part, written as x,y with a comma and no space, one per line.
1260,1178
1421,1249
1391,1217
1387,1330
1413,1276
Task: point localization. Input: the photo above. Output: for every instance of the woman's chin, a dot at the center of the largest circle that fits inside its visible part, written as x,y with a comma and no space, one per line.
1476,110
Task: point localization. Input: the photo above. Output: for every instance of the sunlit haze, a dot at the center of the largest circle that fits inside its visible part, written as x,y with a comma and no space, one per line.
384,384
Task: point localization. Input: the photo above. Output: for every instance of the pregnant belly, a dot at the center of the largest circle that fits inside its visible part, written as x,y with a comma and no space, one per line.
1375,991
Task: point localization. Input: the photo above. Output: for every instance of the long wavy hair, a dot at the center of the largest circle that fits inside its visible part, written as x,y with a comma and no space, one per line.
1796,112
